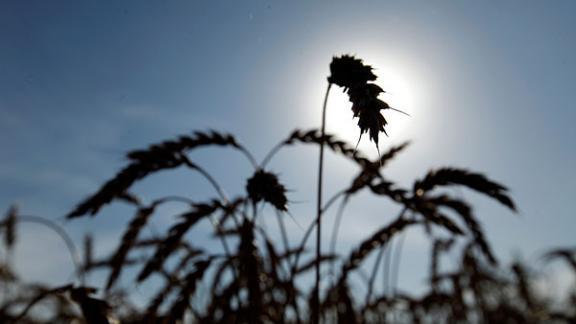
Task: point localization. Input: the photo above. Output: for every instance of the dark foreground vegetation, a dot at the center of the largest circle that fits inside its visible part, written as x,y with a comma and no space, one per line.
257,278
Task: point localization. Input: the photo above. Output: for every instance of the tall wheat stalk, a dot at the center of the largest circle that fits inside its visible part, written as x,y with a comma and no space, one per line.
316,303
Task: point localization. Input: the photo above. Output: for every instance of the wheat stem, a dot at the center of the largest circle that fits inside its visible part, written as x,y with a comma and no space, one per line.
396,264
319,208
283,232
335,230
377,264
249,156
65,237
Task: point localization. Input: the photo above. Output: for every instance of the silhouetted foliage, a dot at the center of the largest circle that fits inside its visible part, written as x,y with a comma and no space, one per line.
256,278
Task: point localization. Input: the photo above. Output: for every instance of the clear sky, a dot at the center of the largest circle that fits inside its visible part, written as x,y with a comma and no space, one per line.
490,86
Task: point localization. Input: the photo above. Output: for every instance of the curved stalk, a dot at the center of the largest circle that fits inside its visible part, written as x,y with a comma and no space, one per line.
337,221
224,199
208,177
374,272
333,199
166,199
283,232
386,264
249,156
271,154
63,235
396,264
316,313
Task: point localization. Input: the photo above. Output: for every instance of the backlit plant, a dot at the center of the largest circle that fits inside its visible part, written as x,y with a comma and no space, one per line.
255,277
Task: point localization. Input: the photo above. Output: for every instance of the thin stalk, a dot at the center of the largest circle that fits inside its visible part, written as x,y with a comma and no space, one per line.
316,318
224,199
333,200
303,243
386,265
374,272
271,154
184,200
249,156
388,262
63,235
336,229
214,184
309,230
396,261
283,233
208,177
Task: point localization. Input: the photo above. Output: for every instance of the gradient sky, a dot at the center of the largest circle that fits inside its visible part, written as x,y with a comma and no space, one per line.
489,86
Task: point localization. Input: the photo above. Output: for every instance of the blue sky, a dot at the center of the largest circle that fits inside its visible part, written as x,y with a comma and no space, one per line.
490,87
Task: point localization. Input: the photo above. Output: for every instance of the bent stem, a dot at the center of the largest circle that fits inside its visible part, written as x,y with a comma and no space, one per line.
65,238
388,248
316,313
335,230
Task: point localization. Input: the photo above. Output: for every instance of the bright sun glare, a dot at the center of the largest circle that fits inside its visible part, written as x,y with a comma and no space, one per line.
399,95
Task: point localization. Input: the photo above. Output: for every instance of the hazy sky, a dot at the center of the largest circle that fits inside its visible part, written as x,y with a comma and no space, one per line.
490,86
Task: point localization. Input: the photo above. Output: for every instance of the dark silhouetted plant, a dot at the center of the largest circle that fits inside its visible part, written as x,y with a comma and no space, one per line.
255,277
